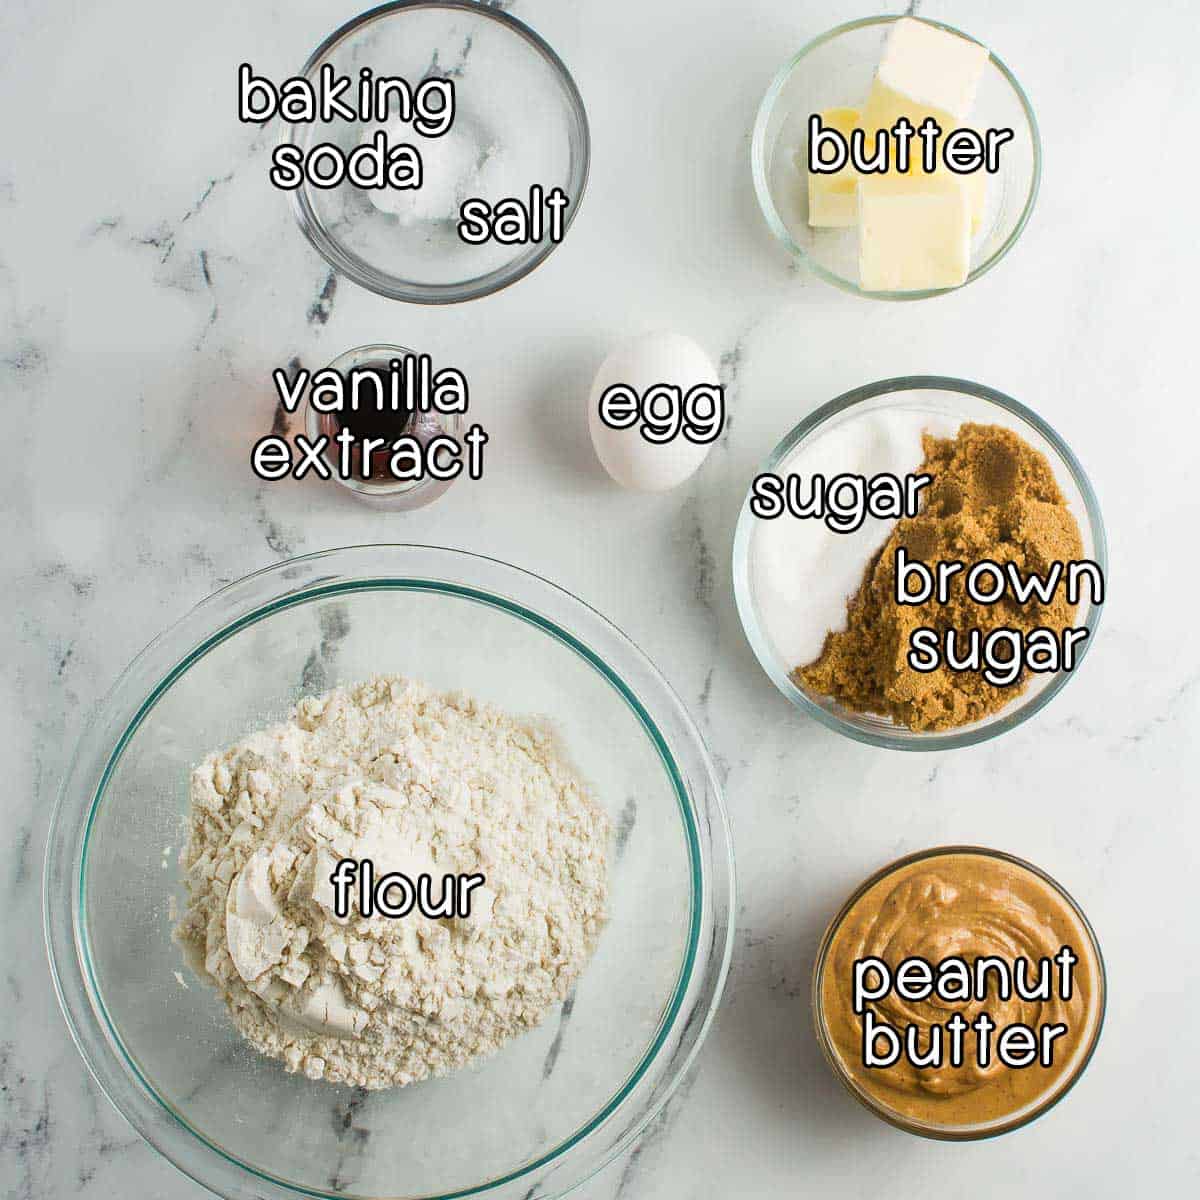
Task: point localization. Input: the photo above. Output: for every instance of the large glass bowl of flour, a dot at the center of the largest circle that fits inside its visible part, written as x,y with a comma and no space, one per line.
554,1104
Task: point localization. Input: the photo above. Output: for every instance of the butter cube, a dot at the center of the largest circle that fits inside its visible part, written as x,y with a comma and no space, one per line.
925,71
914,232
832,202
976,185
884,107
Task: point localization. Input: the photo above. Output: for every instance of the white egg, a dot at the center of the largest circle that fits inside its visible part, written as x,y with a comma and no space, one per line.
632,460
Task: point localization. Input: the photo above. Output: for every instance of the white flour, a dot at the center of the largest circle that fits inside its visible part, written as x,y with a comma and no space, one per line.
417,782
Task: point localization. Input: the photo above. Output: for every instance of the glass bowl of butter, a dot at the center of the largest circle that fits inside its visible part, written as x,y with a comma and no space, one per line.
952,196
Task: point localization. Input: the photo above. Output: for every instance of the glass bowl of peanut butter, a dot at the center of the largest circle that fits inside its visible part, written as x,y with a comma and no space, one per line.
959,993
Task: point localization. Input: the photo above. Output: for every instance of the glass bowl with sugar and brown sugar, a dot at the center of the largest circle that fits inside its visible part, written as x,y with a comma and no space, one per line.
920,563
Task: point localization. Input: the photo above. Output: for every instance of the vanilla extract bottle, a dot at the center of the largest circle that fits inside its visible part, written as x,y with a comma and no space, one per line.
393,433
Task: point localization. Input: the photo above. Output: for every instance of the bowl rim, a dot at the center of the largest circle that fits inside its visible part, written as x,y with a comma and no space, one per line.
766,201
358,270
907,739
926,1129
696,994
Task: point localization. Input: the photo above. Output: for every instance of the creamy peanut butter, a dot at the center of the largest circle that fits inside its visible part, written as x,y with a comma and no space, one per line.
956,911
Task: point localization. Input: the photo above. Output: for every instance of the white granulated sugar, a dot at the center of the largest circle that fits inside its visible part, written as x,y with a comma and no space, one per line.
804,573
416,781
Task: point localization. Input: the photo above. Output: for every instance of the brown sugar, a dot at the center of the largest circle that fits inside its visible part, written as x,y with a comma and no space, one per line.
993,496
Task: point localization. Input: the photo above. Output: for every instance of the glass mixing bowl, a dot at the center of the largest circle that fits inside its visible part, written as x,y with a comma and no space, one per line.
516,102
940,405
835,71
553,1105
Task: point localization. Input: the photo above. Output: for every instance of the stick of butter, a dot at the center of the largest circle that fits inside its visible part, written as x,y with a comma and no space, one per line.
976,185
831,199
924,72
914,232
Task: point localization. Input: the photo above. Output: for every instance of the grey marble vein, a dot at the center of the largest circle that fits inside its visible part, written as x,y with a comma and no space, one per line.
150,280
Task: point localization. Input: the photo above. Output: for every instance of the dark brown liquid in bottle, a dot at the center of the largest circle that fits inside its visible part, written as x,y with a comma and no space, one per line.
373,417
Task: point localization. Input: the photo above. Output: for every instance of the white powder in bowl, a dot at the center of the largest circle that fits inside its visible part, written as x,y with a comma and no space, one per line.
802,573
417,782
454,168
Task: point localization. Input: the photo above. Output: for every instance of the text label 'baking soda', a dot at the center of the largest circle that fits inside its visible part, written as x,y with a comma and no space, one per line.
390,108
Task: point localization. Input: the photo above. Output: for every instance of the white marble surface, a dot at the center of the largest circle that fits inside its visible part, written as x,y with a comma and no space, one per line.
149,280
